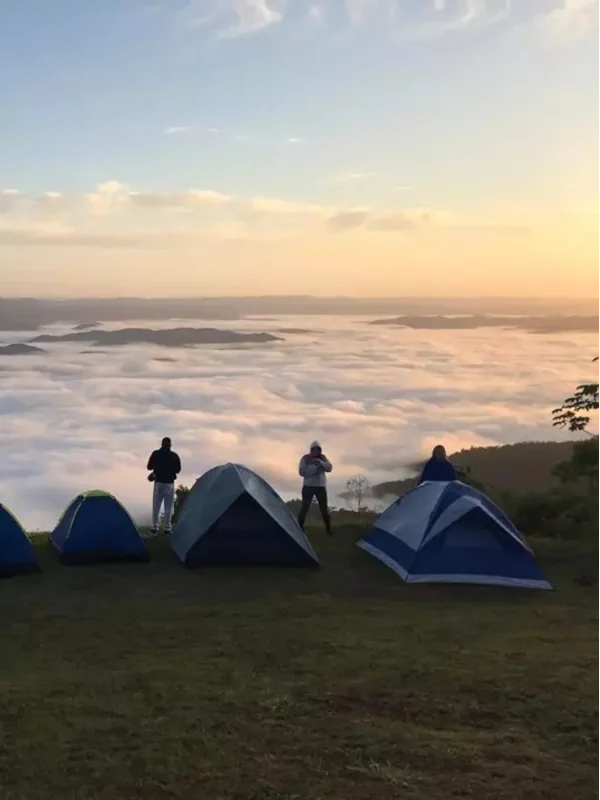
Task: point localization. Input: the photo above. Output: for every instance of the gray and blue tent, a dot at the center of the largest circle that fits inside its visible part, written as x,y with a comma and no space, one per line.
233,516
448,532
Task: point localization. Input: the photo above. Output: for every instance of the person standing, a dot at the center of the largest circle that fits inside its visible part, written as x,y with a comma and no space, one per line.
438,468
313,468
164,466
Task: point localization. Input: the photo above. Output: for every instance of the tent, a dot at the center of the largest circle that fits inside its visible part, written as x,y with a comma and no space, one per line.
96,527
447,532
16,552
233,516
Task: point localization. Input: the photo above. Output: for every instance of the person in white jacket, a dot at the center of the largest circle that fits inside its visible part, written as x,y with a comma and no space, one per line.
313,468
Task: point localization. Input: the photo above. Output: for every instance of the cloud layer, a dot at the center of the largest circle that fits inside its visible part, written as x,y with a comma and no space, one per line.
403,20
410,19
377,398
114,214
568,21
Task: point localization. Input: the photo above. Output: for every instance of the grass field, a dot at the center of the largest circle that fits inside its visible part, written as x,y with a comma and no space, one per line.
148,681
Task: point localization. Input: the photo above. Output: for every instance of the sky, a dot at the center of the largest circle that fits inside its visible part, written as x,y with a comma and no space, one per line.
79,417
359,147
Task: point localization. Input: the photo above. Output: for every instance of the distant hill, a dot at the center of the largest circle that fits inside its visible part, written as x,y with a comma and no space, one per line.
173,337
546,324
86,326
20,350
516,468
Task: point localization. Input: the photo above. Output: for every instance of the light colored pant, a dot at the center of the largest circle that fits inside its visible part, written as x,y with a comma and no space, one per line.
164,494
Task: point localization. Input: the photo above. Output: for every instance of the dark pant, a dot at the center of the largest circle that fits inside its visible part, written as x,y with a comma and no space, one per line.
320,492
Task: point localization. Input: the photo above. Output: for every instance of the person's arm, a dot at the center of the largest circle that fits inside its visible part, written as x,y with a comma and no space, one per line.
325,464
426,473
150,466
177,464
306,467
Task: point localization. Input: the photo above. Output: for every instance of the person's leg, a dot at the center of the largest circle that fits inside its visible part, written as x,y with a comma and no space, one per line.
321,494
169,499
156,504
307,496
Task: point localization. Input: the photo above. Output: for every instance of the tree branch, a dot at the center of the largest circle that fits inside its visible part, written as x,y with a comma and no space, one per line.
570,415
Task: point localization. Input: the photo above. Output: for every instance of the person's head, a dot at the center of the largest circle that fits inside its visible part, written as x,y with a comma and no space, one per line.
315,449
439,452
166,443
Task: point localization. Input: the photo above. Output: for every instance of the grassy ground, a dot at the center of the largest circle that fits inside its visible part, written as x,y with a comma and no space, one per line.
148,681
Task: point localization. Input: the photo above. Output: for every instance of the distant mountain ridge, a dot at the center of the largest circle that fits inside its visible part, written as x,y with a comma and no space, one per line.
171,337
520,468
30,313
555,323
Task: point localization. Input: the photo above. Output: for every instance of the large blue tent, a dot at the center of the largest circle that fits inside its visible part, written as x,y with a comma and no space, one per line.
233,516
96,527
448,532
16,552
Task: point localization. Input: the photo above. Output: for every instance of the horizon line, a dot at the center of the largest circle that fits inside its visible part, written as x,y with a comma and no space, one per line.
322,298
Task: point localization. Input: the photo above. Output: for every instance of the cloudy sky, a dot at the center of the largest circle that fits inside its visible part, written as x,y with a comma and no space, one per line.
282,146
377,398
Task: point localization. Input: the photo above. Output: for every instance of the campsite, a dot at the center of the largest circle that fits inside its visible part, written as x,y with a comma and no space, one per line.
285,665
440,532
147,680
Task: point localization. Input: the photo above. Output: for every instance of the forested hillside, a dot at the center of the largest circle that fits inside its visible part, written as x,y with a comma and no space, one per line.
520,468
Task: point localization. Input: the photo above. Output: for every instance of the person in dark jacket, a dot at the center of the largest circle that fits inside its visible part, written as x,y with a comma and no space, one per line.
438,468
164,466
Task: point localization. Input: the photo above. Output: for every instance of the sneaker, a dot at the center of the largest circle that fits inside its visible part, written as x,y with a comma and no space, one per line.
151,533
168,531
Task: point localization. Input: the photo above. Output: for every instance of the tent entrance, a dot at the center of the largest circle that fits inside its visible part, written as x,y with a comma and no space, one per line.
247,534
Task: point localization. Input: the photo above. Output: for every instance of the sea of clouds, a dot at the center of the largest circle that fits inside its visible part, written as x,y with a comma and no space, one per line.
377,398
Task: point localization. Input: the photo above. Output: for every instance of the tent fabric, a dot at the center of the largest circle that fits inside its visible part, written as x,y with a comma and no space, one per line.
16,553
95,527
451,533
233,516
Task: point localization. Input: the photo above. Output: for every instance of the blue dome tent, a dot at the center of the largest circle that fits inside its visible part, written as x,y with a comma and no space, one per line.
95,527
16,553
451,533
233,516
